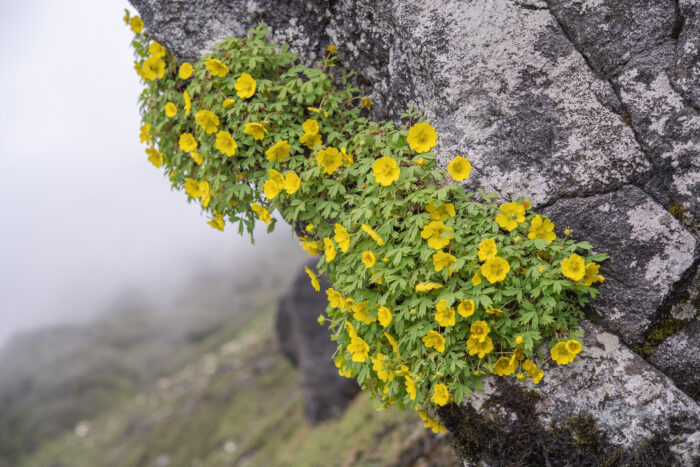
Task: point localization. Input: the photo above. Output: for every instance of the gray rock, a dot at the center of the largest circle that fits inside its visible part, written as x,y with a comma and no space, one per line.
629,400
688,52
326,393
679,358
652,255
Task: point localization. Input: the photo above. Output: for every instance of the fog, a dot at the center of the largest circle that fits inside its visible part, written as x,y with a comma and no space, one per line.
84,217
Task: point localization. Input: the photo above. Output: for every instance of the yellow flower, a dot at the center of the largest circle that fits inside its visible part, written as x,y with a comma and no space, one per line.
476,279
188,102
366,102
443,211
573,346
245,86
487,249
145,135
152,68
331,49
459,168
192,187
170,110
279,152
378,366
311,141
435,340
437,234
392,342
573,267
444,316
510,215
386,171
329,249
335,299
567,231
541,228
422,137
185,70
204,193
441,395
154,157
127,16
292,183
442,260
321,319
277,177
207,120
271,189
310,127
479,330
495,269
342,237
312,247
532,371
314,280
228,103
263,214
187,142
504,366
466,308
475,346
368,259
560,354
347,158
218,222
329,160
359,349
225,143
384,316
427,286
216,67
369,231
591,275
136,25
156,50
318,111
361,313
494,311
256,130
519,340
197,157
410,387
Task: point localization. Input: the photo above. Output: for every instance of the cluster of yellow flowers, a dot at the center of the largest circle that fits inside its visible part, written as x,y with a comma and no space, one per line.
407,252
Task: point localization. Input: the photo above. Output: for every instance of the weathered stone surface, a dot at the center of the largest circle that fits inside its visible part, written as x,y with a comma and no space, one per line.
326,393
651,256
688,52
679,358
629,399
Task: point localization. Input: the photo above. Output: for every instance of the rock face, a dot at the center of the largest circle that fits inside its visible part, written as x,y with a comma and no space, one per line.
590,108
308,345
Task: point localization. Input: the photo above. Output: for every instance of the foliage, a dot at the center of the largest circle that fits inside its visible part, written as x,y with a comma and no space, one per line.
431,284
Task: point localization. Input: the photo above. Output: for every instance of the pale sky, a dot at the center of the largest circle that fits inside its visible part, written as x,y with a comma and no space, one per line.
84,216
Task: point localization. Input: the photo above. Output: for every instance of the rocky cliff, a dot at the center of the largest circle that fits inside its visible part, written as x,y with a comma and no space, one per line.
589,108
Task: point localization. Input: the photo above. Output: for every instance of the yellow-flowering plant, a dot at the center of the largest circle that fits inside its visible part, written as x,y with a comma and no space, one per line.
433,287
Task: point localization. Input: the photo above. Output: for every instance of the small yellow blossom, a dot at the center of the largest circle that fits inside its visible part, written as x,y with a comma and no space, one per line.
314,280
245,86
427,286
384,316
329,160
386,171
510,216
188,102
204,193
440,394
310,228
185,70
560,354
445,316
216,67
410,387
217,223
378,366
591,275
317,110
504,367
263,214
374,235
127,16
156,50
434,340
228,103
331,49
207,120
310,127
347,158
361,313
312,247
422,137
466,308
279,152
154,157
277,177
366,102
136,24
292,183
487,249
442,260
532,371
567,231
153,68
440,212
475,346
368,259
494,311
170,110
145,135
321,320
225,143
335,298
256,130
479,330
187,142
573,267
495,269
392,342
311,140
476,279
342,237
459,168
271,189
437,234
420,161
359,349
197,157
541,228
519,340
329,249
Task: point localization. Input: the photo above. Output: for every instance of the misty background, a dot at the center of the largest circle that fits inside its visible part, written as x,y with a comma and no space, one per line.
85,219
